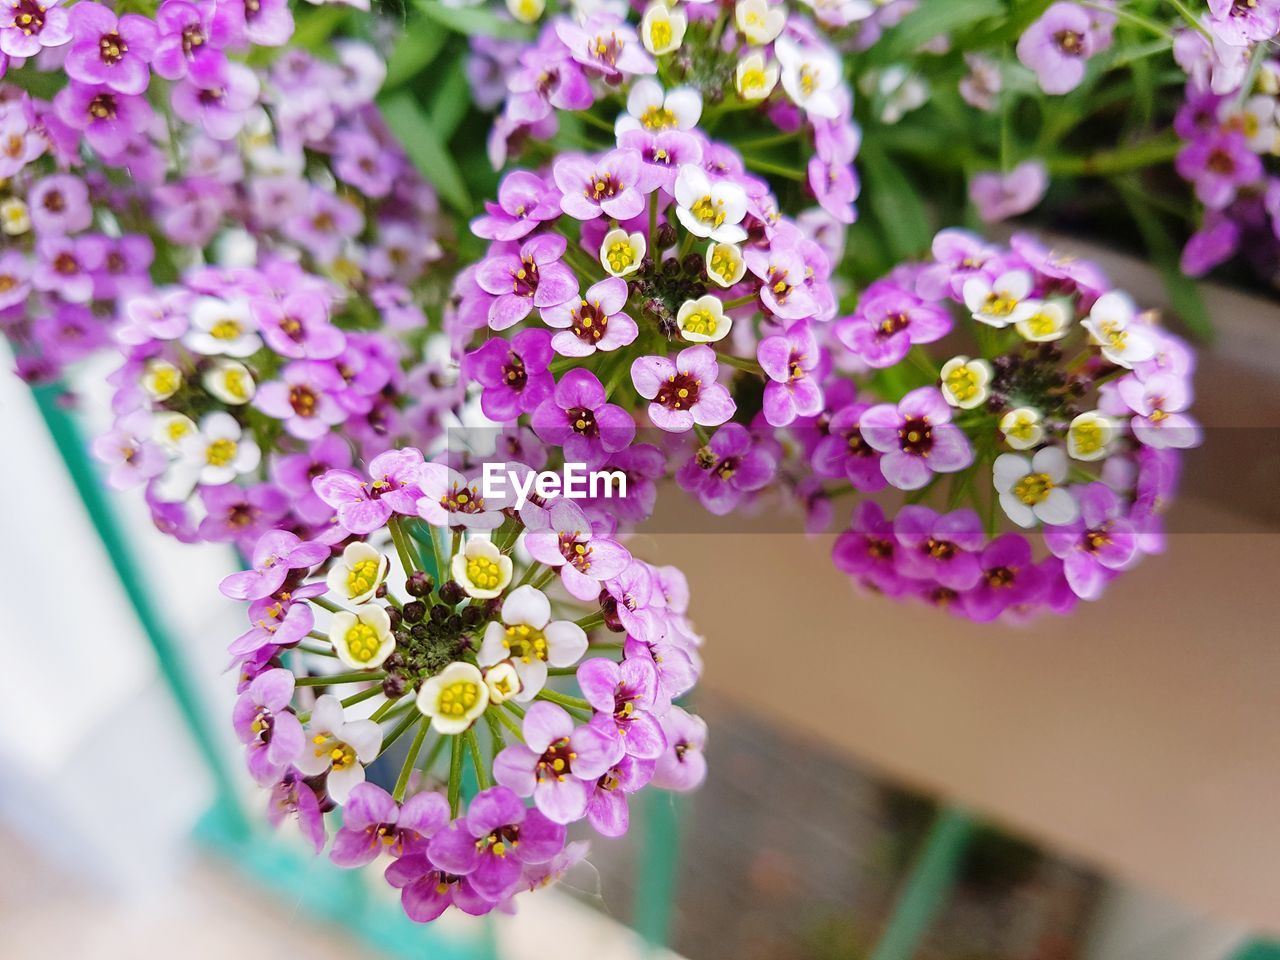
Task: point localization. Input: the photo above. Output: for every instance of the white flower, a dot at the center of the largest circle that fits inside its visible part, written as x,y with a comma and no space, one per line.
811,77
362,638
710,210
725,264
1110,325
530,640
1090,434
502,680
759,22
1031,490
526,11
454,698
703,320
169,429
481,569
1022,428
662,29
755,77
994,303
356,577
230,381
1042,321
161,379
964,382
900,92
215,454
621,253
1258,123
223,327
339,747
648,108
15,218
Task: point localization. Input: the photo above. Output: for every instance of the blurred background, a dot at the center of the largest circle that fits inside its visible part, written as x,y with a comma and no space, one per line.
885,781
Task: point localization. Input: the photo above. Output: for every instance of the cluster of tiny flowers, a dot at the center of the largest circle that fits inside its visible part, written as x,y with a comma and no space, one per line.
600,268
1067,416
724,68
433,618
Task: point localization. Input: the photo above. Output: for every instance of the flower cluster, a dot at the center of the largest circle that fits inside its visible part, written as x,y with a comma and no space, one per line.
449,622
724,70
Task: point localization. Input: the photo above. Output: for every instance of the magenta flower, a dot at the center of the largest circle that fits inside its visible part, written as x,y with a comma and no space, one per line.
265,724
1159,405
183,37
843,452
683,765
998,196
108,50
513,374
1057,46
274,556
605,185
867,549
426,891
731,466
524,201
662,153
1216,242
791,361
27,26
782,273
291,797
888,321
683,392
937,547
134,458
607,809
568,542
917,438
303,399
108,119
365,505
533,277
605,47
1094,545
293,474
1009,578
240,514
835,185
556,763
260,23
218,95
59,204
1219,164
373,823
579,418
624,695
298,326
493,842
279,620
1244,22
596,322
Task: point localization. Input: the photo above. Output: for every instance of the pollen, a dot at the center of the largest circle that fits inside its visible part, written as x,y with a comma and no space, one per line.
225,329
1033,488
362,642
620,256
457,698
483,573
526,642
701,322
708,210
220,452
962,384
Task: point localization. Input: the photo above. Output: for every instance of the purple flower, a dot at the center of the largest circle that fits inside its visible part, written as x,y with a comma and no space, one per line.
240,514
275,554
939,548
790,360
999,196
1057,45
605,185
1099,541
134,458
524,201
292,797
556,762
1214,243
662,153
782,272
1158,405
579,418
513,374
26,26
835,185
596,322
490,845
261,23
607,807
304,398
730,466
843,452
624,695
108,119
682,766
109,50
1009,578
59,204
533,277
868,548
426,891
1244,22
298,326
294,473
363,505
183,37
917,438
279,620
567,541
605,47
888,321
264,723
217,94
683,392
1219,163
372,822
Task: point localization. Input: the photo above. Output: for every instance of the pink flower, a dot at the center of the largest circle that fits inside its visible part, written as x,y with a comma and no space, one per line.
683,392
531,277
109,50
999,196
917,438
579,418
365,505
790,361
606,185
596,322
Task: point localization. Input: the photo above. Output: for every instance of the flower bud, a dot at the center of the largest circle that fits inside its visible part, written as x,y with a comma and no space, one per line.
451,592
419,584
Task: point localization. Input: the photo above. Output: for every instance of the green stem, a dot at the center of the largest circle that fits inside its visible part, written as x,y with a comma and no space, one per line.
741,363
777,169
491,717
1191,19
362,696
1137,19
739,301
410,760
405,723
317,651
328,605
401,541
590,621
473,747
566,701
510,724
1137,156
455,776
356,676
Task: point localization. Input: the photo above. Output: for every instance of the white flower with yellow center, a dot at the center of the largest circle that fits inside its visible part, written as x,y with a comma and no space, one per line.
662,29
481,569
170,429
1023,428
1042,321
1111,326
759,22
215,454
994,302
964,382
222,327
160,379
649,108
356,577
454,698
15,218
755,77
530,640
362,637
712,211
1090,435
1032,490
503,682
1257,121
621,253
703,320
338,747
725,264
811,75
526,11
230,381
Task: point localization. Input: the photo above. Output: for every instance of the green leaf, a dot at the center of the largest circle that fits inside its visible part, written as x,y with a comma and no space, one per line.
429,151
932,19
895,204
473,21
417,49
451,100
1183,291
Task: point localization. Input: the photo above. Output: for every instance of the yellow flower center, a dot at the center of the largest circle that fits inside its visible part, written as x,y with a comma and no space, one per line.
1041,324
1033,488
483,573
526,642
753,78
1089,437
457,698
362,642
701,322
620,255
236,383
660,34
221,452
165,380
226,329
708,210
657,118
998,305
341,755
362,576
962,383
